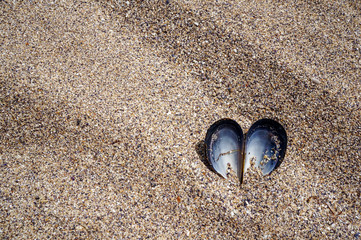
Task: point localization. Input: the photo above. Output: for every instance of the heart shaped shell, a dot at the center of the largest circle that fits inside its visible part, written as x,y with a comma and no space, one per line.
265,144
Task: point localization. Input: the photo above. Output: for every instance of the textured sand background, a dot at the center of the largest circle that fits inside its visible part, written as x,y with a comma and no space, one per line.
104,106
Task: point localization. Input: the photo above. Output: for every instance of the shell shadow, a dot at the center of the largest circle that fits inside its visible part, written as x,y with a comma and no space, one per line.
200,148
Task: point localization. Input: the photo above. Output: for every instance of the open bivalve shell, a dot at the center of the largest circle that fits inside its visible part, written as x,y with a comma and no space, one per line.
265,144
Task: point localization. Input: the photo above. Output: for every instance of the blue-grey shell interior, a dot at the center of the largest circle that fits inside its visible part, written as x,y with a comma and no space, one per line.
224,141
266,144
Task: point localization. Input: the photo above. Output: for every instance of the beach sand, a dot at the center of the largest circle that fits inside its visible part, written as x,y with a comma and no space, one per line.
105,105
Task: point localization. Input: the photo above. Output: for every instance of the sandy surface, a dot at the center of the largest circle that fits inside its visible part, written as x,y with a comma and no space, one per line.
104,107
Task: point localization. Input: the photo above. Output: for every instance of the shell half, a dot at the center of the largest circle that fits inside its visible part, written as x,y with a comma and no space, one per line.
266,143
224,146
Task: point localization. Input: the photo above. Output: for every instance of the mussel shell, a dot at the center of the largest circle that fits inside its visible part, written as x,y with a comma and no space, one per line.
224,145
266,143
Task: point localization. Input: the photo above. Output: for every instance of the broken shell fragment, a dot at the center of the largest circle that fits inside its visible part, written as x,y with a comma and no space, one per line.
266,143
224,146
